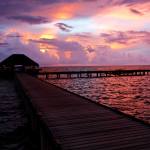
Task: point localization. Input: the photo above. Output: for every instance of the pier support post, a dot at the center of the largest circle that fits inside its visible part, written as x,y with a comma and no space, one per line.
69,75
58,76
47,76
80,75
97,75
100,75
88,75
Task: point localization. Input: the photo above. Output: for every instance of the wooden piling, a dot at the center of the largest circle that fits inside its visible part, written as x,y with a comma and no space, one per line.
97,74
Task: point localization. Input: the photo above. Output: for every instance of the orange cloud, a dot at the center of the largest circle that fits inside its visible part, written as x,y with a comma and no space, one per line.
68,54
58,11
50,50
48,36
54,53
116,46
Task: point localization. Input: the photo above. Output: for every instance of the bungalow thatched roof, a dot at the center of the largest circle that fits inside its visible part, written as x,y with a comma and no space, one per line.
18,59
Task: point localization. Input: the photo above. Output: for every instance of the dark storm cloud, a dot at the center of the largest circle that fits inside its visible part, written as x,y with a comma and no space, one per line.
19,9
3,44
125,37
11,8
115,36
64,27
83,35
90,49
60,44
130,2
14,35
136,12
30,19
55,1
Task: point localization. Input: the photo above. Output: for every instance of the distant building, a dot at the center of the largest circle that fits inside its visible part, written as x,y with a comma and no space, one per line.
19,63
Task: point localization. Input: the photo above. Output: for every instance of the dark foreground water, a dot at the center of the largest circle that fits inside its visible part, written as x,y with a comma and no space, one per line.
14,131
130,94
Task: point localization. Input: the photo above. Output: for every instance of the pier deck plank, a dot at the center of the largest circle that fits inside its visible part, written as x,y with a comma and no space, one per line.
79,124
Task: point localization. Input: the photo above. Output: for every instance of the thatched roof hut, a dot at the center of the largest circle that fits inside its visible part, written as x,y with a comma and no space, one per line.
18,63
18,60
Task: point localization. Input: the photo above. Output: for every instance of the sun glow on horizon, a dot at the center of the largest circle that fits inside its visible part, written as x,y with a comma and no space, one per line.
48,36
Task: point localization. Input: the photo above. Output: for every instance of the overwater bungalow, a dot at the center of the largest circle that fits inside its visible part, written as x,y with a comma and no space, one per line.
19,63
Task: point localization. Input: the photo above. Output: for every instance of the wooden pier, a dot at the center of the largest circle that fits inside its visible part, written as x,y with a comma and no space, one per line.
69,122
93,74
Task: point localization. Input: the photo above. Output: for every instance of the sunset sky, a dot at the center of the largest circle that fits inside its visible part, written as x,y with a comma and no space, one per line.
76,32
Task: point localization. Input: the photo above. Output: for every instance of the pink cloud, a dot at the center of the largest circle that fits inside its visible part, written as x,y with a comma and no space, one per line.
128,37
36,27
74,54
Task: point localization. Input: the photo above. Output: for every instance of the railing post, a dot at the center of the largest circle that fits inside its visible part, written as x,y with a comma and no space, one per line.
46,76
58,75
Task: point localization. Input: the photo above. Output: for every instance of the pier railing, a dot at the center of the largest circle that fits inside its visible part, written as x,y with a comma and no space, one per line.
93,74
42,138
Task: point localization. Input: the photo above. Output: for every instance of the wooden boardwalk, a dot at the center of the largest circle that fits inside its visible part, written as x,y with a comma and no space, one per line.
78,124
93,74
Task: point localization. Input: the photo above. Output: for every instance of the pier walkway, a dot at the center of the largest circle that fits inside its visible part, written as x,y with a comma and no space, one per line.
75,123
93,74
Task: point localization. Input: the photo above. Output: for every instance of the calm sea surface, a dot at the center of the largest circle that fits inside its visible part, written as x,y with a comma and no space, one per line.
130,94
14,134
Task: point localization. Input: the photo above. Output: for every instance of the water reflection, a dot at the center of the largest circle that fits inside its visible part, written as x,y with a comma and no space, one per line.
14,129
130,95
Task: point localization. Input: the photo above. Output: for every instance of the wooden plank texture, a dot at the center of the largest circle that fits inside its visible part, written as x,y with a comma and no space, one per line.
79,124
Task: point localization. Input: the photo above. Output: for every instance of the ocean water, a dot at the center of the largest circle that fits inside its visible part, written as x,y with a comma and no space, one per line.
14,133
128,94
